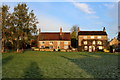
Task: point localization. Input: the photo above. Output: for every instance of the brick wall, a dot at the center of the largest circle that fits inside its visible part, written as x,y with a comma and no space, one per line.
55,44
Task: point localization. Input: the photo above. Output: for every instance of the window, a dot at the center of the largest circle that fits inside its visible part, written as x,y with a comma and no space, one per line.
65,42
85,42
93,42
85,48
42,46
51,47
92,37
85,37
51,42
99,42
99,37
100,47
42,42
58,42
65,47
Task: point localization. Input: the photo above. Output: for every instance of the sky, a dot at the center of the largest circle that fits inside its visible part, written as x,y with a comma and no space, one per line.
89,16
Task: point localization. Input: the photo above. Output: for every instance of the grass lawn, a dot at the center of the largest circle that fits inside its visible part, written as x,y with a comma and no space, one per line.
36,64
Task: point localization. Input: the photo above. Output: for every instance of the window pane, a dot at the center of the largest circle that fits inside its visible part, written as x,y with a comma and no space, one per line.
99,37
93,42
42,46
65,42
85,47
51,47
65,47
85,42
85,37
99,42
58,42
100,47
92,37
51,42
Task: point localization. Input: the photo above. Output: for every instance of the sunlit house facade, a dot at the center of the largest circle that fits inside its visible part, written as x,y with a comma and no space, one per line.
92,40
54,40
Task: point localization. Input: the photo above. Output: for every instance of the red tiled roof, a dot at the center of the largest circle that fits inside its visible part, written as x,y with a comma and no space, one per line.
92,33
54,36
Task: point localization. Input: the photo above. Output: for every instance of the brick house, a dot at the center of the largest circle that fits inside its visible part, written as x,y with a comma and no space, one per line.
54,40
92,40
114,42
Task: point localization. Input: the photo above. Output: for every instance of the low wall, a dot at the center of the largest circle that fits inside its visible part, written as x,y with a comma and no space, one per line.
46,50
62,50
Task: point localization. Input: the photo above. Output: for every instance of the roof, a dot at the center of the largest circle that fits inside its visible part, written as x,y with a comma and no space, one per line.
92,33
54,36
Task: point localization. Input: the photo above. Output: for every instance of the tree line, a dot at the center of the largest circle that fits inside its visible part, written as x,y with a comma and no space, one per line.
18,27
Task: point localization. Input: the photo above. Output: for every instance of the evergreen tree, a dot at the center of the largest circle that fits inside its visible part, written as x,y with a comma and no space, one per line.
5,25
25,24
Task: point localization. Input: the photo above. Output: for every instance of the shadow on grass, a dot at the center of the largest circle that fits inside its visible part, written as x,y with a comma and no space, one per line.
33,71
97,67
6,60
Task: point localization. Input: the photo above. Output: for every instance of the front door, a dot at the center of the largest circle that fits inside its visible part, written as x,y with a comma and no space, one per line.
93,48
90,48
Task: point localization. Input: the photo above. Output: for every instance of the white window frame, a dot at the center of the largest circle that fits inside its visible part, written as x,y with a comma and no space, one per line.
51,46
93,42
85,42
42,46
58,42
65,42
65,47
92,37
85,37
100,47
85,47
99,37
99,42
42,42
51,42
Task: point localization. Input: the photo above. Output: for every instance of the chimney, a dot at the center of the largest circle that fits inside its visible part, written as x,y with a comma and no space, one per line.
39,30
78,29
61,36
104,29
60,31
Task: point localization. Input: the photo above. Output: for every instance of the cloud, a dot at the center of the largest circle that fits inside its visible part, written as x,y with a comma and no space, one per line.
84,7
109,5
50,23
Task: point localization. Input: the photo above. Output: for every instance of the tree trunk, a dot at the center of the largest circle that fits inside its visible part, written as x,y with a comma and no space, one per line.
3,50
18,45
3,46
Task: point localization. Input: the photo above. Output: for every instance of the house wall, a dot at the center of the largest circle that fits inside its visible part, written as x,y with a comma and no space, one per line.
55,44
82,38
114,42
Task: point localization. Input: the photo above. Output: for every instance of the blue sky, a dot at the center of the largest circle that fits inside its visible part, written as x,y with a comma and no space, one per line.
87,15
